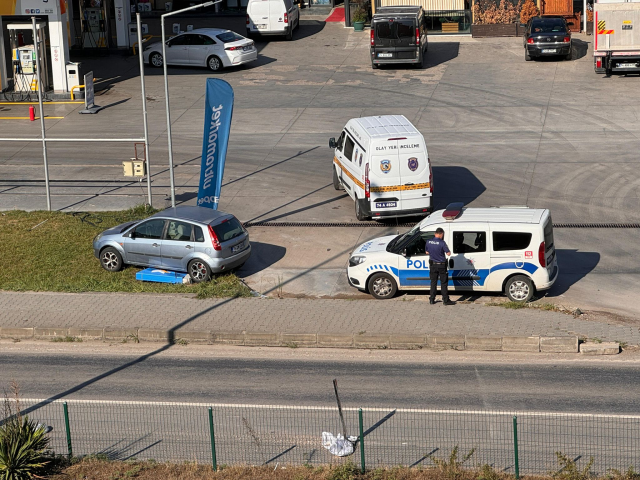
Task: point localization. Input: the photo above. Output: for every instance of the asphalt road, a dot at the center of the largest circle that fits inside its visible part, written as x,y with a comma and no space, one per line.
426,380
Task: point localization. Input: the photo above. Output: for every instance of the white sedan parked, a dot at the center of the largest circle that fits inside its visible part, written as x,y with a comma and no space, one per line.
207,47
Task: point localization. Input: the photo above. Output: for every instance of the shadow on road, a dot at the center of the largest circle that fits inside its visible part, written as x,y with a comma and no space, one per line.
574,266
263,255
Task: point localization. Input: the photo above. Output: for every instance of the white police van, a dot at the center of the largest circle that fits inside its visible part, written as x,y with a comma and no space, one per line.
498,249
382,163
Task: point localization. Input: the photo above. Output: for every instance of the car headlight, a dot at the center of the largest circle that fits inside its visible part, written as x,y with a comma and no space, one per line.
97,237
357,260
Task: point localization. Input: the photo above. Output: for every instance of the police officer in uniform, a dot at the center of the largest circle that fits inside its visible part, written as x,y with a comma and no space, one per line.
438,252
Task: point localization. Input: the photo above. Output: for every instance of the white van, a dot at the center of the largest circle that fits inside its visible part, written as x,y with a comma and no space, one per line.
382,163
498,249
272,17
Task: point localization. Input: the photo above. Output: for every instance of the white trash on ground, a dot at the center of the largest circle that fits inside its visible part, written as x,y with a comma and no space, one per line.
337,444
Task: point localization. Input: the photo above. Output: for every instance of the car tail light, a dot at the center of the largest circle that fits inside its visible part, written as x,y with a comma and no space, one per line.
286,17
530,41
373,42
417,36
430,177
367,185
598,63
566,39
233,48
214,239
248,21
541,255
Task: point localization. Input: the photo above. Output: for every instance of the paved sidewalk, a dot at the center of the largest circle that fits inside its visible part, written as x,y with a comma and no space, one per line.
304,316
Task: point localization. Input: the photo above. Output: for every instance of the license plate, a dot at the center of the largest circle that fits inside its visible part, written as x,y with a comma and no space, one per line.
237,248
385,55
386,204
261,27
627,65
549,50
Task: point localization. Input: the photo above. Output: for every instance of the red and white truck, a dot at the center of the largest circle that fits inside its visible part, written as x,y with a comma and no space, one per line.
616,26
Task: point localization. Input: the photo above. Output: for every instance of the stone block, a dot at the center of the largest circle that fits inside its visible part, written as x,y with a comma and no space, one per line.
49,333
485,343
337,340
9,332
371,341
605,348
455,342
566,344
262,339
192,336
87,333
298,339
115,333
153,335
228,338
407,341
521,344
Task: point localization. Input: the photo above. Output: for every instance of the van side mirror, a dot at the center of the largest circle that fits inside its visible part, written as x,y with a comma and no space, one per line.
332,142
404,252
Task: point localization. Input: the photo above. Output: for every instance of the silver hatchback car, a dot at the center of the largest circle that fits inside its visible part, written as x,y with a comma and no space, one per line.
196,240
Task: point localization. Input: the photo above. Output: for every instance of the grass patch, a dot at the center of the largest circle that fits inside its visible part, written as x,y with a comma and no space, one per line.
510,305
52,251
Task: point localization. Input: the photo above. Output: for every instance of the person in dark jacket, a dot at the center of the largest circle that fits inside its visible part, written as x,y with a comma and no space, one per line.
438,252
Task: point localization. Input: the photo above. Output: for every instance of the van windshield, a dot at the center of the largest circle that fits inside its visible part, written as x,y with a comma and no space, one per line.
402,239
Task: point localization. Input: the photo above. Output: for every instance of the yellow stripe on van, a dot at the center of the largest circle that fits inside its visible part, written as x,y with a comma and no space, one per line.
400,188
348,173
390,188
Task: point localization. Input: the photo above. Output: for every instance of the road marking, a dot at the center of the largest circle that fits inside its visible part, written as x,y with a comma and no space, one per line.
332,409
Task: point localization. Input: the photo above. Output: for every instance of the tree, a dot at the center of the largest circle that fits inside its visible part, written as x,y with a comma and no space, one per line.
529,10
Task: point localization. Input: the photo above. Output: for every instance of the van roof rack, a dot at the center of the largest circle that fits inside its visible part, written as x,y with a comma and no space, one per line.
509,206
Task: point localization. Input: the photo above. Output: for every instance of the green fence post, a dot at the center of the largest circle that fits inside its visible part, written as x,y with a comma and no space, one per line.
362,462
515,445
68,430
214,460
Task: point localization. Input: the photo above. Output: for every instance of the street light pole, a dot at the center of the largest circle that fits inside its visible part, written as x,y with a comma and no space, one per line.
44,142
144,111
166,92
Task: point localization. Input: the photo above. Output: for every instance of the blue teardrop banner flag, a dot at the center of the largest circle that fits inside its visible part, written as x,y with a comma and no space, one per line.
217,123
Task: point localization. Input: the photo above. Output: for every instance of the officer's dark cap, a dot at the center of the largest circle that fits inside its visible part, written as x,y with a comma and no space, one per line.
439,230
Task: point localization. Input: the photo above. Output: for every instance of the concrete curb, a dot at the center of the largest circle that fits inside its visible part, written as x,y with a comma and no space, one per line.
533,344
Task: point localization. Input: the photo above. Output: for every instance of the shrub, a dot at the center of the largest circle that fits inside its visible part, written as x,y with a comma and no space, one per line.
488,12
528,11
22,446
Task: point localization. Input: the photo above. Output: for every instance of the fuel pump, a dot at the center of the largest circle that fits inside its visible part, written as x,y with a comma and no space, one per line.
23,64
94,24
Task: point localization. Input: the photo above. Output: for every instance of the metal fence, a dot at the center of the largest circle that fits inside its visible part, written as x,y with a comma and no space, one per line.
257,435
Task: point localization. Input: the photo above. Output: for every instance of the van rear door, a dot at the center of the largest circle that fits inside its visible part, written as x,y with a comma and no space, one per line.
259,14
384,177
276,15
414,174
406,46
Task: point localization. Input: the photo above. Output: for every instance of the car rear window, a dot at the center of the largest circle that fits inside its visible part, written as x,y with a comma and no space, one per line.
503,241
228,37
228,229
383,30
548,234
405,29
548,25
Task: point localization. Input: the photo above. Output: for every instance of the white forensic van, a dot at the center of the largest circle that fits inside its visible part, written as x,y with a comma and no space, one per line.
498,249
382,163
272,17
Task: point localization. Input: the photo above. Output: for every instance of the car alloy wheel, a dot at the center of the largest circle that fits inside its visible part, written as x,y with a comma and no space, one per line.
198,271
214,64
519,289
156,60
382,286
111,260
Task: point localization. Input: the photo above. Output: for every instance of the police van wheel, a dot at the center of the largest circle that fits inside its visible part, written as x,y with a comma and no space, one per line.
382,286
519,289
336,181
